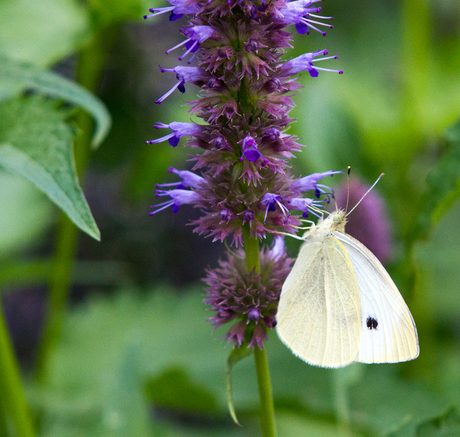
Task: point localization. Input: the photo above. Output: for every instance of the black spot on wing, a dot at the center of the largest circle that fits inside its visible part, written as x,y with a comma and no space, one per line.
371,323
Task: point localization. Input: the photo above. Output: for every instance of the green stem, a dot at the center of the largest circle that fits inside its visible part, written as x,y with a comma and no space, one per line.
251,248
416,46
341,400
90,64
13,403
267,410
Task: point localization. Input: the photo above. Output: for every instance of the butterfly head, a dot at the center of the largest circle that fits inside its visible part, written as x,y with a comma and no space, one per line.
339,220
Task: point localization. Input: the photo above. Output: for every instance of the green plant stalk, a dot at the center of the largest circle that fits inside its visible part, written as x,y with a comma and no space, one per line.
13,402
251,248
416,51
267,409
89,68
3,418
341,400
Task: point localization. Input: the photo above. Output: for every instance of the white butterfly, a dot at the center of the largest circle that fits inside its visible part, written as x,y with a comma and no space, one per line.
339,305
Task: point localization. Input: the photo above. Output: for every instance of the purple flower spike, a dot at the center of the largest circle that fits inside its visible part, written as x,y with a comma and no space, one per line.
305,63
250,150
248,298
241,178
183,75
179,130
270,201
196,35
178,198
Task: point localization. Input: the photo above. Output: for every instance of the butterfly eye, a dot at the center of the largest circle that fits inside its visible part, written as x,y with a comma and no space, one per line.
372,323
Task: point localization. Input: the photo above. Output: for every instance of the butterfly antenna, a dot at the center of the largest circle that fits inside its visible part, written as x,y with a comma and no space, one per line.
365,194
348,187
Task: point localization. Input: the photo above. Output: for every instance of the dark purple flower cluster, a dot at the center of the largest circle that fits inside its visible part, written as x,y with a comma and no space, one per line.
250,298
244,102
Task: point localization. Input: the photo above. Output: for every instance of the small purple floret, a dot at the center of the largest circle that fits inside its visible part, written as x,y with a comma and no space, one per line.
305,63
305,205
179,130
310,183
196,35
250,150
300,13
270,201
253,315
189,179
183,75
178,198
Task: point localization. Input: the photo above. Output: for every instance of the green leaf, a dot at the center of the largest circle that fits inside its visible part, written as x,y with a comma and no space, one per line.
446,425
122,410
36,142
237,354
32,77
172,332
443,185
176,390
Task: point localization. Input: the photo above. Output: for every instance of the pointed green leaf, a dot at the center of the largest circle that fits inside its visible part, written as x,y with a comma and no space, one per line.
235,355
16,73
36,142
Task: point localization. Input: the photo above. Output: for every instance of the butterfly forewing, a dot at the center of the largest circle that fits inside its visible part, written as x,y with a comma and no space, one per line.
319,316
388,329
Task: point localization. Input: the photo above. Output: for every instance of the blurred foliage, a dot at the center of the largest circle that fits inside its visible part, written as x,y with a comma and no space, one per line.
142,361
161,338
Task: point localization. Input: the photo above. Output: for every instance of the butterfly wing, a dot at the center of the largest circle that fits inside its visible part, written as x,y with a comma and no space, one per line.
389,334
319,314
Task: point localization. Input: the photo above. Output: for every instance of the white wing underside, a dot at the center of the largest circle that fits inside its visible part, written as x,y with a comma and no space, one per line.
395,337
319,315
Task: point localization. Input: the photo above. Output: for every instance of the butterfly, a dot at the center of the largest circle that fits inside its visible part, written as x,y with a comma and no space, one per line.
339,304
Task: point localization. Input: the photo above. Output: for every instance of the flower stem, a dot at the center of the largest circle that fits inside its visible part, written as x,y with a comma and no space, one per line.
251,248
13,402
89,68
267,410
267,413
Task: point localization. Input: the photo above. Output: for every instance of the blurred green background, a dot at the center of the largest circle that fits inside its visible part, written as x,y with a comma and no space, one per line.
137,356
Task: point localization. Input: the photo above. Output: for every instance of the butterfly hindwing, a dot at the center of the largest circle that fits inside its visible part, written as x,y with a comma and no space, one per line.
388,329
319,316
